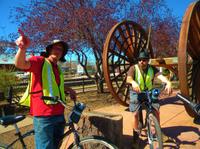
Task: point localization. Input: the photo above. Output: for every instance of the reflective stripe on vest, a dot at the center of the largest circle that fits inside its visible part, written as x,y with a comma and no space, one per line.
148,79
49,85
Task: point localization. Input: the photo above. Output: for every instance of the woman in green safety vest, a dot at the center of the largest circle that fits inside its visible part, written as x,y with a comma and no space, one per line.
141,77
46,79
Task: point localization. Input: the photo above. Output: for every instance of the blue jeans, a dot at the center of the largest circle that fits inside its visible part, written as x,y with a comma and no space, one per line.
134,102
48,131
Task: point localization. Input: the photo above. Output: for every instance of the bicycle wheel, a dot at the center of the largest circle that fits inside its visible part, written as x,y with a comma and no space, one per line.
94,142
4,146
154,132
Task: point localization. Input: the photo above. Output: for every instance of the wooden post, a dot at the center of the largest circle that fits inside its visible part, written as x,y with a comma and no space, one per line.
107,125
83,84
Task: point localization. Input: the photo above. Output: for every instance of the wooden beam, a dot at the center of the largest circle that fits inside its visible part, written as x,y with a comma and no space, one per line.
171,61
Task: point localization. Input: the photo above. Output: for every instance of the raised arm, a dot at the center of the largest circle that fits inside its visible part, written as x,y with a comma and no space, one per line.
23,43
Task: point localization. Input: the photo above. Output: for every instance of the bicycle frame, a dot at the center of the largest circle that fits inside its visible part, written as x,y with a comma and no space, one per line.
147,105
72,129
20,137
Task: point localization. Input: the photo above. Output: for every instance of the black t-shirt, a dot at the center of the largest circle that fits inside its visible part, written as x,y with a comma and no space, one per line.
155,70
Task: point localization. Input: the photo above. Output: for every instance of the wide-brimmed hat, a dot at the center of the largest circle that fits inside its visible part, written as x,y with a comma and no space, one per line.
65,48
143,55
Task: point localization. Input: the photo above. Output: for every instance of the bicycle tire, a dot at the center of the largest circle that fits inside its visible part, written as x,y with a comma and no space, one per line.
155,137
4,146
94,142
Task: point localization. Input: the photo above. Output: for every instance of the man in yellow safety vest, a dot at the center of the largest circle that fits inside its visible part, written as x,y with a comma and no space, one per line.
46,80
141,77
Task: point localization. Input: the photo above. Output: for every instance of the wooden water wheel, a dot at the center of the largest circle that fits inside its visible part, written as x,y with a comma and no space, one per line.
189,55
121,49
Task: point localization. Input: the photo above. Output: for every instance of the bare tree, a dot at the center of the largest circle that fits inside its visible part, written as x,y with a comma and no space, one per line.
165,26
84,24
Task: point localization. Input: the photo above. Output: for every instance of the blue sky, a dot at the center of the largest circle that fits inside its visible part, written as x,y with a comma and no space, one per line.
6,26
178,8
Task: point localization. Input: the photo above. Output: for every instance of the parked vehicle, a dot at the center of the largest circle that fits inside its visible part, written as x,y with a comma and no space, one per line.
22,75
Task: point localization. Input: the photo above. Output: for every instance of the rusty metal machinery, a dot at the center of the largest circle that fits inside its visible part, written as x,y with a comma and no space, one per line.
189,55
123,44
126,39
121,49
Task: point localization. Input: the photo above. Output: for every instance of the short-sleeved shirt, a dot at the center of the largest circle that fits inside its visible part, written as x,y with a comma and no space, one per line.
37,105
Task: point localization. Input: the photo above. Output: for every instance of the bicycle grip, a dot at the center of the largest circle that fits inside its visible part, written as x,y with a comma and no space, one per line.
195,107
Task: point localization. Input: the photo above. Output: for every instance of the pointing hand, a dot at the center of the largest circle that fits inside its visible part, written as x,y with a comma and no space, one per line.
23,42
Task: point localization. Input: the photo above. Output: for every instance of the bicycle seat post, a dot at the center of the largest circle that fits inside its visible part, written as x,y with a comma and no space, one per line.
18,133
17,130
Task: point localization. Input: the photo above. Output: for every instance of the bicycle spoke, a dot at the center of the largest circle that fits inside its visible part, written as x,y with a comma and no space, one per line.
94,142
154,133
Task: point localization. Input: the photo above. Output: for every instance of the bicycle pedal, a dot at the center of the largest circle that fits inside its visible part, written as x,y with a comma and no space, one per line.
143,133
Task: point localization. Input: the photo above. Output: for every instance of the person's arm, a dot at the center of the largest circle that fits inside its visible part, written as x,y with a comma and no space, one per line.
23,43
164,79
131,81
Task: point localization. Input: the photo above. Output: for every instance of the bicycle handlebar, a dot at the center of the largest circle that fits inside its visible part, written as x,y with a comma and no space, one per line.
76,112
55,99
195,107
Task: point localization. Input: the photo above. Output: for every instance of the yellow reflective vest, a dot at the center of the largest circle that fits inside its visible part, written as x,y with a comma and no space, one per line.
49,85
145,82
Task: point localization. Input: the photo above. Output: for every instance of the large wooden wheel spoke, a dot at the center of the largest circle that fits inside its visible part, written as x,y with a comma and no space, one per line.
189,55
123,44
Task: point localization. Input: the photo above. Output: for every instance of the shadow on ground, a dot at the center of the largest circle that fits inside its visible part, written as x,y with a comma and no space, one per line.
175,132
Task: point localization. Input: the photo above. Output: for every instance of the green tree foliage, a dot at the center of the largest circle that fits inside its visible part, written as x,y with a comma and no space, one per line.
7,79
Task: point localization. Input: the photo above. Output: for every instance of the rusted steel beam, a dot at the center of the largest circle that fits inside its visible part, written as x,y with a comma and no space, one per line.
189,52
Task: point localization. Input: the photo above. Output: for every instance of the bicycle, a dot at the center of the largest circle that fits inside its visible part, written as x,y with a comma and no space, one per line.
90,142
151,123
13,120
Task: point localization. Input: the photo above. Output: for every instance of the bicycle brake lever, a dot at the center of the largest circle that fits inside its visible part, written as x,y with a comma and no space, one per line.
197,109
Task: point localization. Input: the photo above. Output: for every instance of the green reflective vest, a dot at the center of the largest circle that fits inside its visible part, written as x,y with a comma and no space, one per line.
145,82
49,85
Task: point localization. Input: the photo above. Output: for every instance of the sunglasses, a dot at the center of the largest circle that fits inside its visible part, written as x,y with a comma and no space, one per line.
143,59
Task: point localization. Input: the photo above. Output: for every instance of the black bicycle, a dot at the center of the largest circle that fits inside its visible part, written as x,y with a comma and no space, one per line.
13,120
150,123
90,142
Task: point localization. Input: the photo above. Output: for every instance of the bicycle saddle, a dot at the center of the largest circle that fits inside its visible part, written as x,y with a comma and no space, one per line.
11,119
